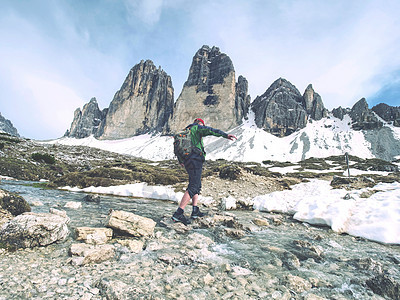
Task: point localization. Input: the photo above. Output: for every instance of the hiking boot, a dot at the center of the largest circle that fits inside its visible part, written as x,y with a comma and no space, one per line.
180,218
196,213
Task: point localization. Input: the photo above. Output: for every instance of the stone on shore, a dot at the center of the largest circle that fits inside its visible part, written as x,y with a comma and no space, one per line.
34,229
13,203
83,254
94,236
130,224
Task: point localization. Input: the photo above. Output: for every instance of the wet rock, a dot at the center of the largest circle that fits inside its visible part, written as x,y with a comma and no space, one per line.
73,205
113,289
289,260
218,220
297,284
260,222
83,254
234,233
13,203
92,198
130,224
34,229
367,264
92,235
385,286
305,250
134,246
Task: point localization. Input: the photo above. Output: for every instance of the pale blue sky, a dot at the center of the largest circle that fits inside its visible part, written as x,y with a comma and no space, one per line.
56,55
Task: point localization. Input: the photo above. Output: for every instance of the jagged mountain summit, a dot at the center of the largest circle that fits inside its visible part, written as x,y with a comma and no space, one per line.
87,121
211,92
282,110
142,105
145,102
7,127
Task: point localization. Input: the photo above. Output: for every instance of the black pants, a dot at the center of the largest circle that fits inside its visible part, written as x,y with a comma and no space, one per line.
194,167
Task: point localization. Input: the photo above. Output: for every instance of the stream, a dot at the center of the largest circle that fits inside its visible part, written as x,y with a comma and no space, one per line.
286,259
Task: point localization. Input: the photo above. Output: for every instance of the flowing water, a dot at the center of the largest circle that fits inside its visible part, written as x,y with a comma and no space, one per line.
285,260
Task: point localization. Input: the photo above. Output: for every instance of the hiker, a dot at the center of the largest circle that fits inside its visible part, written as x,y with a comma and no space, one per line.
193,164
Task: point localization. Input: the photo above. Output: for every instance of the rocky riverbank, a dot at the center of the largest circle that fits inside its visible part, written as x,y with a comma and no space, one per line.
226,255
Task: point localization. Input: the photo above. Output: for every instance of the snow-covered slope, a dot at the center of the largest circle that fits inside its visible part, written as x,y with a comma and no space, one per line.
329,136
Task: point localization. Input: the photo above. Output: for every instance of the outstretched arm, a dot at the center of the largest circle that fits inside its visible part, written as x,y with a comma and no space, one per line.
231,137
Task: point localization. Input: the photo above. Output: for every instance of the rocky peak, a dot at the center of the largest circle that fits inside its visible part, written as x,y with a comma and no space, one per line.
313,104
242,102
142,105
363,118
280,109
209,67
388,113
211,93
7,127
87,121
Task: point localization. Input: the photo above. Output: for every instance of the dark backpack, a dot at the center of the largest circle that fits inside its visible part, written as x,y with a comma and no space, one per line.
183,145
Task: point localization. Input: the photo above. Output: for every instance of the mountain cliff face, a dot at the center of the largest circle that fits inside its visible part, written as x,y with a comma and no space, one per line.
7,127
87,121
211,93
145,103
142,105
281,110
388,113
363,118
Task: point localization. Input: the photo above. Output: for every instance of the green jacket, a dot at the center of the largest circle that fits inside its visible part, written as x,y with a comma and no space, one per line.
197,132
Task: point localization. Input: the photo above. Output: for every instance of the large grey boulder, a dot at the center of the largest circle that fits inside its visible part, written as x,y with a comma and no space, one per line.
34,229
87,121
388,113
130,224
280,110
211,93
143,104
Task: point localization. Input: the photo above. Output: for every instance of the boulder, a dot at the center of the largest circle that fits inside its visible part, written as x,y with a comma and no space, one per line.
34,229
83,254
130,224
92,235
13,203
135,246
92,198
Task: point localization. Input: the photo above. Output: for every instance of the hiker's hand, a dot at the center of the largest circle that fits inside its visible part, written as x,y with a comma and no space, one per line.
182,164
232,137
